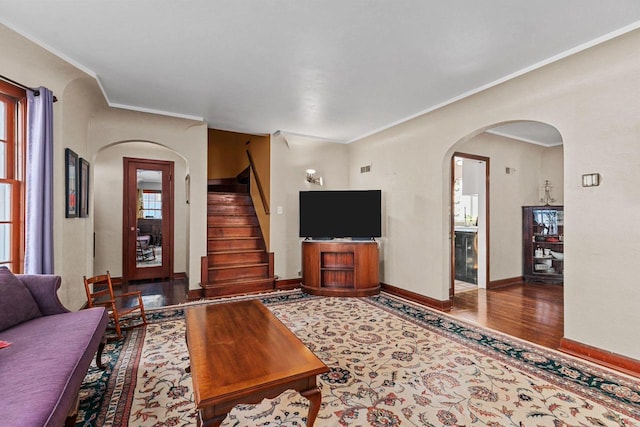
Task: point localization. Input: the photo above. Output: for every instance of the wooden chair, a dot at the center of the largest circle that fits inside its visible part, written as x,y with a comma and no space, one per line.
144,251
107,298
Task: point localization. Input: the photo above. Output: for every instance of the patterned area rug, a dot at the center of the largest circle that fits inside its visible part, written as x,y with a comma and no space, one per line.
391,363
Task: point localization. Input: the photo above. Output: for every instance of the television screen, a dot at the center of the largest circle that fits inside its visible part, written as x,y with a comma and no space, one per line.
347,213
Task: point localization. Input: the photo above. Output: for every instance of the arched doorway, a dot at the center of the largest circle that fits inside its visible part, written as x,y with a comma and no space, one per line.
108,204
523,156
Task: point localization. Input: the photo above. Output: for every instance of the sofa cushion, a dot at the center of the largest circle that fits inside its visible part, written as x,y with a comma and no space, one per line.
41,372
16,302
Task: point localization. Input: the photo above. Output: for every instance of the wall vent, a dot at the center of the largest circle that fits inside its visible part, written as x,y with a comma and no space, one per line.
365,169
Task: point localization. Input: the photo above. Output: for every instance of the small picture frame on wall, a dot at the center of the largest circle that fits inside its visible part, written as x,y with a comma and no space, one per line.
83,201
71,183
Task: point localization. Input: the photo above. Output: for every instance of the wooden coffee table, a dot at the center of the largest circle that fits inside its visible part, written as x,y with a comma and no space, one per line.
241,353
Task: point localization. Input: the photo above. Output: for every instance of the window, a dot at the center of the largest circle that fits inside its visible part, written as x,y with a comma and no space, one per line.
152,203
12,148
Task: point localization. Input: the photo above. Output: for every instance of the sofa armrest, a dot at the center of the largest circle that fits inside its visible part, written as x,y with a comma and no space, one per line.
44,288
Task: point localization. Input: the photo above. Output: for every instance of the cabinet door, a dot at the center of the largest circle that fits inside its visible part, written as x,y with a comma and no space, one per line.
543,243
547,221
460,264
466,257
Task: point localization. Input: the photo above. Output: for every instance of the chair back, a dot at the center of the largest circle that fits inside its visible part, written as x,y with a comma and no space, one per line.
90,286
107,298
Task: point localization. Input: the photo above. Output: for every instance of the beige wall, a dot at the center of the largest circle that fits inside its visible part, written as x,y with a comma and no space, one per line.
552,169
226,153
291,156
33,66
260,149
84,123
592,99
80,99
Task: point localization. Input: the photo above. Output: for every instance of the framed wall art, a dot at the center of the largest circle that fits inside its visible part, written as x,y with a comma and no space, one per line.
83,181
71,183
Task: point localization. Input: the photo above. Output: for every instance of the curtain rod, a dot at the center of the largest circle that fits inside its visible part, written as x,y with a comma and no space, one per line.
36,92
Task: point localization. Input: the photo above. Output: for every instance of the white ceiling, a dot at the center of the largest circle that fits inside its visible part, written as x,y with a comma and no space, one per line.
528,131
332,69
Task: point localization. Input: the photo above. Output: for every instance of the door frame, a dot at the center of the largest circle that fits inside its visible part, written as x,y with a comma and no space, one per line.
130,271
452,234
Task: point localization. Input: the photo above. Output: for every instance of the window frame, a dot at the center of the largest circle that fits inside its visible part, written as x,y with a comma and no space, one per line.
15,161
145,210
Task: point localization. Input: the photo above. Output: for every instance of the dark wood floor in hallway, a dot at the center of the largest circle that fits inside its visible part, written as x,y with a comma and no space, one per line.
533,312
156,293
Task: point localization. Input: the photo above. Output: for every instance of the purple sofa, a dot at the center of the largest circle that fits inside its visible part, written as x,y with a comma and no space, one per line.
49,354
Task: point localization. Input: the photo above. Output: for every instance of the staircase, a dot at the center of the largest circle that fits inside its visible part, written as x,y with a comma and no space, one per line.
237,261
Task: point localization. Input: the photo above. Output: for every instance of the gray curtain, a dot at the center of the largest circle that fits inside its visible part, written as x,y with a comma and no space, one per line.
38,257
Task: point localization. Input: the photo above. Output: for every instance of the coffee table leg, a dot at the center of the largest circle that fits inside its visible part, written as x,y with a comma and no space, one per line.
211,422
315,398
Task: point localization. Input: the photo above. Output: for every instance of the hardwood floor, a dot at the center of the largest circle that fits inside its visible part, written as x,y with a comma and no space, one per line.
157,293
533,312
461,286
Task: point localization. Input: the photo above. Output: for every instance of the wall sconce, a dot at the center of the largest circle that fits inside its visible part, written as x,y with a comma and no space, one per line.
311,178
591,180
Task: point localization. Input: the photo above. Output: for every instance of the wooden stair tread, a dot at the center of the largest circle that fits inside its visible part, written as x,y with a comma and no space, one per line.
228,220
230,213
237,197
237,251
231,225
238,281
229,193
234,238
228,266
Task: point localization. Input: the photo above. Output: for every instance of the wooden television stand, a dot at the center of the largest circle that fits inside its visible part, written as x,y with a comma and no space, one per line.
340,268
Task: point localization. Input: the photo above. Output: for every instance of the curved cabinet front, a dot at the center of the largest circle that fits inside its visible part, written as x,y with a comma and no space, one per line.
340,268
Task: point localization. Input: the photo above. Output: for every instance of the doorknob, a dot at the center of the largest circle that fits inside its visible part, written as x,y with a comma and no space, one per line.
133,229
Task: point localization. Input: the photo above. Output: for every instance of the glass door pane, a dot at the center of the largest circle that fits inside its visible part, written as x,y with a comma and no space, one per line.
149,218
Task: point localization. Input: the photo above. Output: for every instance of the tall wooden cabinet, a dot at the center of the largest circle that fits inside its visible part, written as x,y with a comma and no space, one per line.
543,243
337,268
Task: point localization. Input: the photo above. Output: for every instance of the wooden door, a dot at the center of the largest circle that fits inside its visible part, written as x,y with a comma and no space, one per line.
147,219
481,224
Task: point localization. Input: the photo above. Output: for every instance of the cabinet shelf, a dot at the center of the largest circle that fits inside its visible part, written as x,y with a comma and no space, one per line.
547,243
542,227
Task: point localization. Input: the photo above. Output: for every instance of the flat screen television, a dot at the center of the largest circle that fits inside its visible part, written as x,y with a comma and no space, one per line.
338,214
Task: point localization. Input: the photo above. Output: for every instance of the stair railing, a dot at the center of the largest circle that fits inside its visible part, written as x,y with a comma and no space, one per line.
264,200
